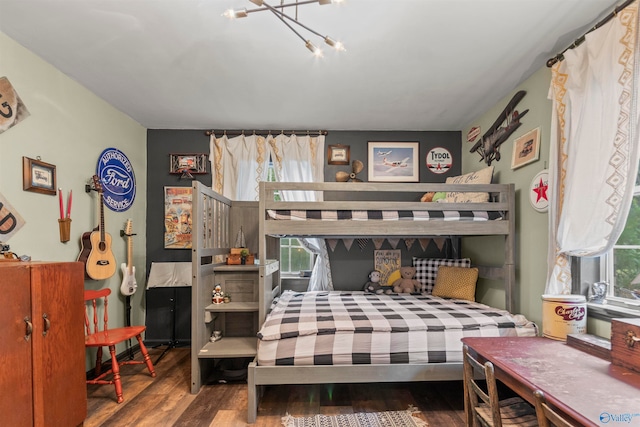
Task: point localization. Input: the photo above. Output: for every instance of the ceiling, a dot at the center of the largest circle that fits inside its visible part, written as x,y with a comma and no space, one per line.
409,64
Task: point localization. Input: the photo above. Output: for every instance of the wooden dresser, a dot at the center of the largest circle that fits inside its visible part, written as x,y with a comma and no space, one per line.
43,356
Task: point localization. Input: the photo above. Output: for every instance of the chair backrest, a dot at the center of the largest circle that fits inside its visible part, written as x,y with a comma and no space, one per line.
95,301
474,371
546,414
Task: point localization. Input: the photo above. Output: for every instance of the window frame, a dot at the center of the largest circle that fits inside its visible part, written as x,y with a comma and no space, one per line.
613,306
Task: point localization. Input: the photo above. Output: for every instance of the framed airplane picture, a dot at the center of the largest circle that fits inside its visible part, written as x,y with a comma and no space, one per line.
526,149
394,162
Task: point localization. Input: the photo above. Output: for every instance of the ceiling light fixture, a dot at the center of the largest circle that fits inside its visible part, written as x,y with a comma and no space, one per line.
278,11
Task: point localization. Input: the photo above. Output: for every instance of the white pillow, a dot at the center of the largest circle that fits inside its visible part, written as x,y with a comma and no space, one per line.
483,176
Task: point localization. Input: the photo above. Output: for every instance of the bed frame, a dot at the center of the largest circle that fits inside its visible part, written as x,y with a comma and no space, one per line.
374,196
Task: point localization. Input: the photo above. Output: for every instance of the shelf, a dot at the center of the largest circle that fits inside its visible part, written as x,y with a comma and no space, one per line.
236,267
235,307
229,347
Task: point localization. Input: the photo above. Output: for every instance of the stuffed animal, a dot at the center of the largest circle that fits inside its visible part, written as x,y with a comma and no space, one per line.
374,286
427,197
433,197
406,283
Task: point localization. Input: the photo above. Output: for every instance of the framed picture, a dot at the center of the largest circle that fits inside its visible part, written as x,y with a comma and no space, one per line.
338,154
394,161
526,149
194,163
177,217
38,176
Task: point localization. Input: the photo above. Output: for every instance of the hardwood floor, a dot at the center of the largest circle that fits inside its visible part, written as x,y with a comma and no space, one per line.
166,400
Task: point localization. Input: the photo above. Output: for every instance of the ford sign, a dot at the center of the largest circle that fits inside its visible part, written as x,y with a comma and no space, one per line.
117,179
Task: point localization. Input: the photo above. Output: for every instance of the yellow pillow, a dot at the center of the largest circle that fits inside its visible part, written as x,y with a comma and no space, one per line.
392,278
456,282
483,176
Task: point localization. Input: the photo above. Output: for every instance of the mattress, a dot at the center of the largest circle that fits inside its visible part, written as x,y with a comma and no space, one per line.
384,215
346,328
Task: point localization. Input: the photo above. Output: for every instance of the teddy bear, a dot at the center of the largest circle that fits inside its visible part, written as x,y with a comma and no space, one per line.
374,285
406,283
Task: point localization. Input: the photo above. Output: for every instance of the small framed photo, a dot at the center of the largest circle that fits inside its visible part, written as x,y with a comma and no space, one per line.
526,149
394,161
194,163
338,154
38,176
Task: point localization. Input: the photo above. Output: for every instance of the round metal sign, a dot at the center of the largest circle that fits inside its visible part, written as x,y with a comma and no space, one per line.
539,191
439,160
117,179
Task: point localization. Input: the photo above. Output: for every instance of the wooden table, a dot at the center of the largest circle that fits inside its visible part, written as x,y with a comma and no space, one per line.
585,388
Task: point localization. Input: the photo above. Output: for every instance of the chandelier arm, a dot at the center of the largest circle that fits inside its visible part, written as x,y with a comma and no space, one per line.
300,23
282,6
277,14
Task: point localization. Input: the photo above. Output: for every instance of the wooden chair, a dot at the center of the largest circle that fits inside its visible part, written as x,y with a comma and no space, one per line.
546,416
483,406
109,338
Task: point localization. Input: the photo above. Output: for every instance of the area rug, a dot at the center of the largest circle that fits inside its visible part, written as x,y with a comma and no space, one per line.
360,419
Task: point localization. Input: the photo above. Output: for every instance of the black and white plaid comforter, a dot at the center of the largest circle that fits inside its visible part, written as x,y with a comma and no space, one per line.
338,215
320,328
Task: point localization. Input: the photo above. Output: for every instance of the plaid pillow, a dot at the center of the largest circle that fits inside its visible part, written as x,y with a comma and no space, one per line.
427,270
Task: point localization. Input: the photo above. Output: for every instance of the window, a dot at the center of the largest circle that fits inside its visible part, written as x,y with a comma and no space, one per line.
294,257
621,267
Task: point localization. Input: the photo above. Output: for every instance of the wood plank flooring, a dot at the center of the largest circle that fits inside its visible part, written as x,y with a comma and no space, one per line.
166,400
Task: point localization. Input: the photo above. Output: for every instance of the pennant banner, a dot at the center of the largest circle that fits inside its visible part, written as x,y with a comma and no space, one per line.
424,243
347,243
394,242
377,243
440,241
332,244
409,243
362,243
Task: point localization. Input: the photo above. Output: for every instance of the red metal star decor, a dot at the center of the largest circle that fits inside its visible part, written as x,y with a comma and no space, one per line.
538,194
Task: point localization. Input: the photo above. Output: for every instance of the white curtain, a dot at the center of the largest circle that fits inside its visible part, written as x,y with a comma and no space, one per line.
245,159
301,159
594,145
238,165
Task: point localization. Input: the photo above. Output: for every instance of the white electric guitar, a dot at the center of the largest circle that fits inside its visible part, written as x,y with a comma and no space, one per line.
129,284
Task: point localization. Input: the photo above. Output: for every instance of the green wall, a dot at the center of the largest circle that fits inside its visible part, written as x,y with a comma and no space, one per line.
69,127
531,226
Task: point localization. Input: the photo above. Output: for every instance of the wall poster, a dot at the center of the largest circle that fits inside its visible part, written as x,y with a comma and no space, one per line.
386,262
177,217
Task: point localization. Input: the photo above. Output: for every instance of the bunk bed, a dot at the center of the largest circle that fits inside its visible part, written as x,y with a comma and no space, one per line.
371,210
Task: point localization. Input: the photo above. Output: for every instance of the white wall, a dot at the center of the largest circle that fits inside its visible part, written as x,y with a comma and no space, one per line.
69,127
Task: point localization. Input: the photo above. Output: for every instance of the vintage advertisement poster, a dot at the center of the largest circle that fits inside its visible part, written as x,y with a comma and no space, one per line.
10,220
12,109
177,217
386,262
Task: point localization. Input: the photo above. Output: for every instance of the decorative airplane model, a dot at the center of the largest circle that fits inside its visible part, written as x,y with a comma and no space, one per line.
489,145
396,163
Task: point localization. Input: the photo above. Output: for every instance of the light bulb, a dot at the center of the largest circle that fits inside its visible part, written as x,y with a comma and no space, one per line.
337,45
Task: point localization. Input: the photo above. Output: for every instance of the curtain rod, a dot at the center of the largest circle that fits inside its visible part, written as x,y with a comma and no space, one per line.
559,57
264,132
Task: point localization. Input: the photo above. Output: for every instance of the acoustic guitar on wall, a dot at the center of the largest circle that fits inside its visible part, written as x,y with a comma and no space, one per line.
101,264
129,285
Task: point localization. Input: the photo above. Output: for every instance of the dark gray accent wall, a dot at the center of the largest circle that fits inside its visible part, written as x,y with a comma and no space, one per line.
161,143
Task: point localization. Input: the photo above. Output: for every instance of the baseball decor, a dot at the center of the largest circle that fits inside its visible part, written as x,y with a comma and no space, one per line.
539,191
439,160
